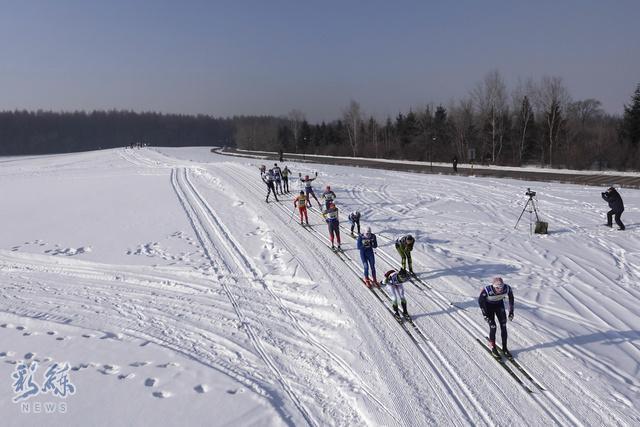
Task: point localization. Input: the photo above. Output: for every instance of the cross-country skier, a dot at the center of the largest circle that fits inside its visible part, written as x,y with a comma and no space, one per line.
366,243
285,178
277,175
267,178
613,198
300,202
491,302
394,279
328,196
404,246
263,169
354,219
331,216
308,189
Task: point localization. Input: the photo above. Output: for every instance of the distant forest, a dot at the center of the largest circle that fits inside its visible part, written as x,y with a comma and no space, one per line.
536,122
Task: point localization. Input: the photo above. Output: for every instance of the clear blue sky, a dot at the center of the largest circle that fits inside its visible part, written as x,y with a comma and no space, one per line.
268,57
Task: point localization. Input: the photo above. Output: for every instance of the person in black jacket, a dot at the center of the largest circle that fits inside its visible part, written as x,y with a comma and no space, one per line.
491,302
612,197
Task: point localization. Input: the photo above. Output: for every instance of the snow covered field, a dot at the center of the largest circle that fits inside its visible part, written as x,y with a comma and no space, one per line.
178,297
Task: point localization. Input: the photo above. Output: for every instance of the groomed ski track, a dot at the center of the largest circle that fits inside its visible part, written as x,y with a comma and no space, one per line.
464,376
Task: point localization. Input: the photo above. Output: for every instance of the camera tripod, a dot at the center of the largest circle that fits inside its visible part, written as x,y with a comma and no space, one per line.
532,209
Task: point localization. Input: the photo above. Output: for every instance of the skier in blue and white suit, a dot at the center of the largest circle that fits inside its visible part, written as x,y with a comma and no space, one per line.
491,303
366,243
394,280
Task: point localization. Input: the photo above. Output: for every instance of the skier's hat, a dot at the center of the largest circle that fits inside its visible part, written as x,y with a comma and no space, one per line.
301,192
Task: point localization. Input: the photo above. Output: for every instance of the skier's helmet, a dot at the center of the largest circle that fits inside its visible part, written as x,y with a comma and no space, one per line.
301,192
306,177
410,239
328,188
275,165
368,232
331,205
497,283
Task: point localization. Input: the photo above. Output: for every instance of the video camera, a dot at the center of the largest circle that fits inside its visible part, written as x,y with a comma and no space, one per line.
530,193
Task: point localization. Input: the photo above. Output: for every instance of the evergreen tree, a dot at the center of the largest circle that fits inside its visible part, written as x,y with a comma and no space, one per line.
630,129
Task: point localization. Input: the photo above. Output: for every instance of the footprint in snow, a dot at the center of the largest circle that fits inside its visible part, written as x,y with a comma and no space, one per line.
201,388
150,382
161,394
138,364
29,355
109,369
168,364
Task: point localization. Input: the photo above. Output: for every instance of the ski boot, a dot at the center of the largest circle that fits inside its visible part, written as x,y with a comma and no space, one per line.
396,314
506,352
405,313
367,282
494,350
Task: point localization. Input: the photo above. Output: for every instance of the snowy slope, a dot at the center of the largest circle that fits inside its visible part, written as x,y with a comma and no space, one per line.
176,293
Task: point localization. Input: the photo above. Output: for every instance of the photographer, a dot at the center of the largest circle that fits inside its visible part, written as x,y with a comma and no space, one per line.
612,197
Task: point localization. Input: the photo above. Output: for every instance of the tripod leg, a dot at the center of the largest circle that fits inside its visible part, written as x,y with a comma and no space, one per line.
535,210
522,213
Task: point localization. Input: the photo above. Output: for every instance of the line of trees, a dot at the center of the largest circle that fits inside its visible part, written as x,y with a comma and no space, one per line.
45,132
535,122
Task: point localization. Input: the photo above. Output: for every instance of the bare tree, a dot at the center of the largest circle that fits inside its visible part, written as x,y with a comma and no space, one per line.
552,98
463,126
521,101
296,117
490,97
353,121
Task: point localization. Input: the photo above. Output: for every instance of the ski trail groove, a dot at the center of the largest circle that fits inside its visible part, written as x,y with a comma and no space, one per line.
178,179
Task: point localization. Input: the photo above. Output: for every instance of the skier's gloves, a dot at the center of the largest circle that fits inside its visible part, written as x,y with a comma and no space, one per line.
511,315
